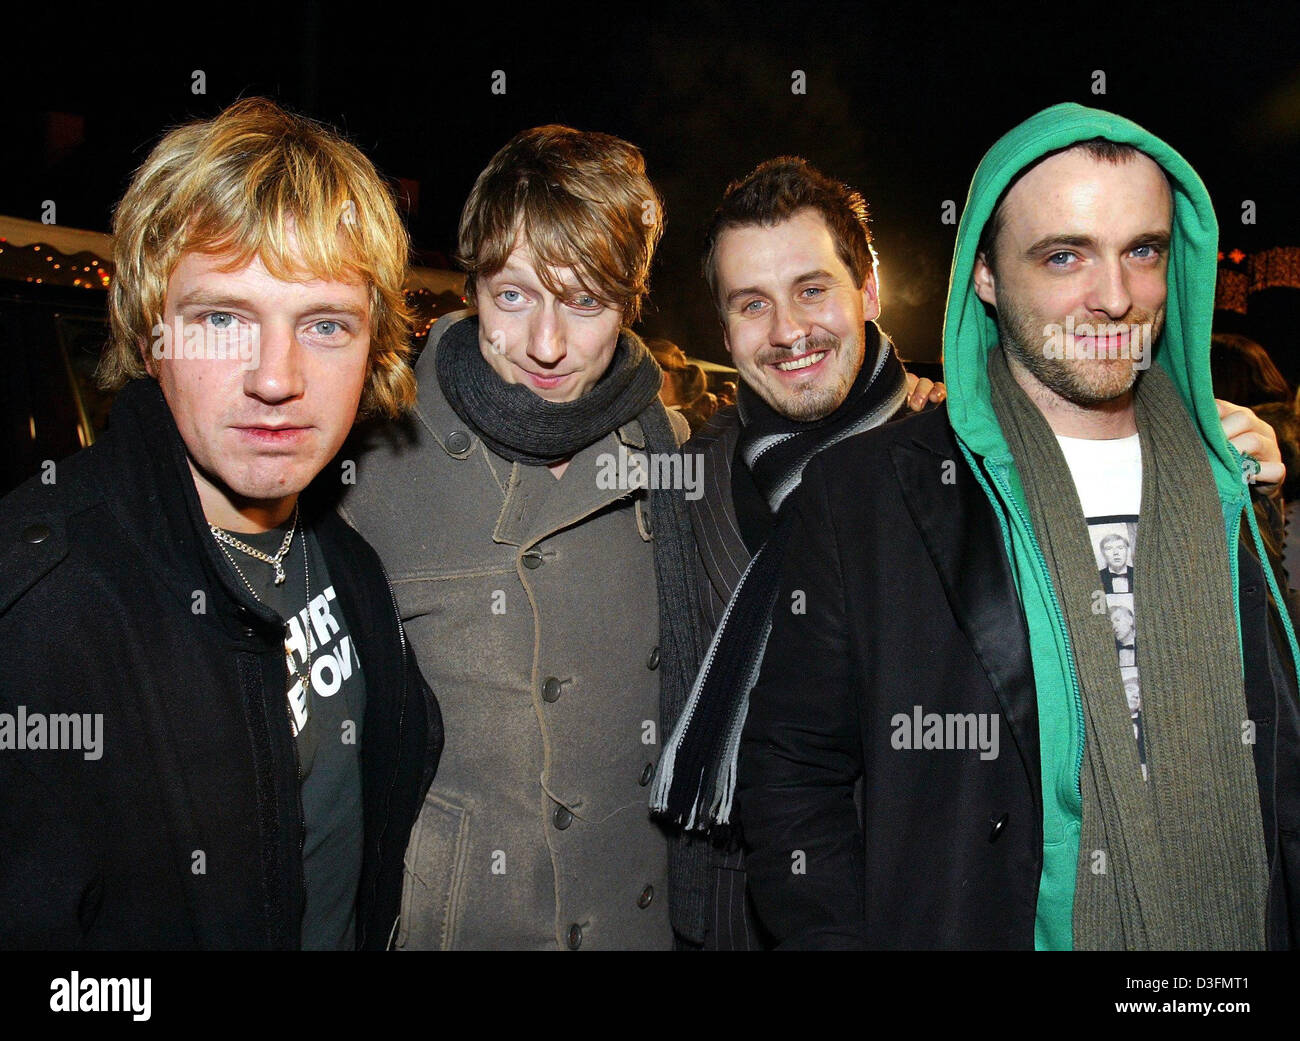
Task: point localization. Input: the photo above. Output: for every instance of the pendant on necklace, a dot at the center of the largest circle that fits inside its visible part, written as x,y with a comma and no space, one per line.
279,573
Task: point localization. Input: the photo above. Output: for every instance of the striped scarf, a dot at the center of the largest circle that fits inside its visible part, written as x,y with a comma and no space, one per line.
696,779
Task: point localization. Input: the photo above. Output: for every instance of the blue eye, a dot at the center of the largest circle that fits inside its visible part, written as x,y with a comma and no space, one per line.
511,296
815,290
1060,258
1147,252
216,320
326,327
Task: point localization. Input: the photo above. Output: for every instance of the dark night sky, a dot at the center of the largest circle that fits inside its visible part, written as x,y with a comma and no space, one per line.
900,103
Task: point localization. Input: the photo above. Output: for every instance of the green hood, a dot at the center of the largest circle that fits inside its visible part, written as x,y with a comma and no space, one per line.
1183,351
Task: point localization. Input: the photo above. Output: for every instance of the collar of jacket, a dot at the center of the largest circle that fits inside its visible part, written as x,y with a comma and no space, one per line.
148,485
451,432
964,540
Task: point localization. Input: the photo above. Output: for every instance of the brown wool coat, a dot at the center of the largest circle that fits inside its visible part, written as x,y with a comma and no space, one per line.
532,607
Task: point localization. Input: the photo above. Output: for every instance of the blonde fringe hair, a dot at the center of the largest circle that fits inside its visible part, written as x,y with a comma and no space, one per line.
236,185
576,199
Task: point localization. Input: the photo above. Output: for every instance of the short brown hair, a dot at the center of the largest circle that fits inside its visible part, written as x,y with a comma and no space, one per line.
1102,149
576,199
236,184
778,189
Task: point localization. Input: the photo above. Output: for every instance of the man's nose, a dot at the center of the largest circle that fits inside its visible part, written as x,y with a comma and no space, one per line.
546,339
788,328
276,373
1109,293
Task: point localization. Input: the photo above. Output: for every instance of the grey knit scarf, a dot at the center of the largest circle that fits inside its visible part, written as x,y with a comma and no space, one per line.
1177,862
524,427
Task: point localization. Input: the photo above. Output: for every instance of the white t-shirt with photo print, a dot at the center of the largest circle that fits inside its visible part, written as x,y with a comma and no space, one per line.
1108,477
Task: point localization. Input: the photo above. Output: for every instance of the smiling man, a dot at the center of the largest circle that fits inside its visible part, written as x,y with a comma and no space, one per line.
267,735
969,535
790,266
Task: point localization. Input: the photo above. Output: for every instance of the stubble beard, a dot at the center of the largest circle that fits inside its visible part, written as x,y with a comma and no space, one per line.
816,400
1081,382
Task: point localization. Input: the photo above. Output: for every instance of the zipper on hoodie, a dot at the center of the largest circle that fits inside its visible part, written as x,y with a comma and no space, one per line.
1059,618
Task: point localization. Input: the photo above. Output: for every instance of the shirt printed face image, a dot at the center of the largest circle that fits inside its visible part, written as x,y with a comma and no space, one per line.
794,316
1121,620
1115,550
1133,695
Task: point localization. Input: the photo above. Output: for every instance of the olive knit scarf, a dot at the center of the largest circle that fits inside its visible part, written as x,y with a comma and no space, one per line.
1176,862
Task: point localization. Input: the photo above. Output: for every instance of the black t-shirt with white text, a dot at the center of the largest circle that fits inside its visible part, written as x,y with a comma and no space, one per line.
326,724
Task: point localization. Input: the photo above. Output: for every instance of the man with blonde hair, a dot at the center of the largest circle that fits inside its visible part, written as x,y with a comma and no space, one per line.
212,731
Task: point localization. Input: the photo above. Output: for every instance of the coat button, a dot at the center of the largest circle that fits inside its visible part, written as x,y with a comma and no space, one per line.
551,689
458,441
646,774
246,620
647,894
575,936
562,818
998,824
35,533
652,662
532,560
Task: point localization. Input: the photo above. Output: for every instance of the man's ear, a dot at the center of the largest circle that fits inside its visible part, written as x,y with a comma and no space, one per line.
985,283
160,347
146,356
726,336
871,297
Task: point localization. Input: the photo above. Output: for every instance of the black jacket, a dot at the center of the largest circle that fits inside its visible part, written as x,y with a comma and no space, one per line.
187,832
897,592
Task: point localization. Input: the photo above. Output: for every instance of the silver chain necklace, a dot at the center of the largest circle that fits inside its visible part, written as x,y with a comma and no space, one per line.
276,561
304,675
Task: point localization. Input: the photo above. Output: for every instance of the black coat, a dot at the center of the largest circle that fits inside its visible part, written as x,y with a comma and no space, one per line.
897,561
187,832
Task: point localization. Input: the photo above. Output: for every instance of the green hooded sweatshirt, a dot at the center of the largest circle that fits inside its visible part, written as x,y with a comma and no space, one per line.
1183,351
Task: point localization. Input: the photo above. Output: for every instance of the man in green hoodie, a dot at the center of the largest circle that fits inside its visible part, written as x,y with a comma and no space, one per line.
1011,796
